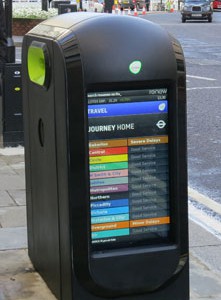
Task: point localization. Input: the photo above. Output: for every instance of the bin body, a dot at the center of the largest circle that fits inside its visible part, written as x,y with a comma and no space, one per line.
12,106
105,140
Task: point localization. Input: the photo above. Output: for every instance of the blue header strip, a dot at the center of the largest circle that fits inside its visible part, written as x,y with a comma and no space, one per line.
131,108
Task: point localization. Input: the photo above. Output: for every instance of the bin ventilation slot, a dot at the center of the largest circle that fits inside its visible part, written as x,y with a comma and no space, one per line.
41,134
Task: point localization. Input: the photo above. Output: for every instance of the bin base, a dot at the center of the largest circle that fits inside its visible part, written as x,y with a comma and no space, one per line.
13,139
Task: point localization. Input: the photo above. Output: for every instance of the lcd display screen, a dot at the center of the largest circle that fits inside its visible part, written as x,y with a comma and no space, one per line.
128,167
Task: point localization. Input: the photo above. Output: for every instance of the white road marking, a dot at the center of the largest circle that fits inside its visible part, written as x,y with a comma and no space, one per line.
207,222
204,88
203,78
211,204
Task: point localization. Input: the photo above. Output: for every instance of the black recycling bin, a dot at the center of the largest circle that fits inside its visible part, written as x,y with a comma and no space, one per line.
105,153
12,112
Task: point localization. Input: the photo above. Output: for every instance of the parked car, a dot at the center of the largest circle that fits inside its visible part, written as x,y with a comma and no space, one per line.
197,10
125,4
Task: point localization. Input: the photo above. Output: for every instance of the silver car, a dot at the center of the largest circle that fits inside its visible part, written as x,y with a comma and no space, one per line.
197,10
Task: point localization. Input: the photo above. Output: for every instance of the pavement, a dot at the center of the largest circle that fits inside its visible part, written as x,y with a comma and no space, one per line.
19,280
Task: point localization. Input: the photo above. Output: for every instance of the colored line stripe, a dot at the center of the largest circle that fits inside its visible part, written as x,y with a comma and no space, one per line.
110,233
149,222
108,151
110,166
110,211
109,203
112,218
109,181
110,226
148,140
108,143
111,173
109,158
109,189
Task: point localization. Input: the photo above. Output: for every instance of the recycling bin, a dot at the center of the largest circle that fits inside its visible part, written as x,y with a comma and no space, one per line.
12,112
105,154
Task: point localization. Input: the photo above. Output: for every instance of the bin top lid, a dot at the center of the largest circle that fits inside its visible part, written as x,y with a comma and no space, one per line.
56,26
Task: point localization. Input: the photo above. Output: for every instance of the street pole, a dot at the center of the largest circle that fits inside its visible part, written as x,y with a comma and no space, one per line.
3,38
3,44
44,5
108,4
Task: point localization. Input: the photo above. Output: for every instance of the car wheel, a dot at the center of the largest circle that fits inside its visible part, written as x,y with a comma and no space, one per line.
183,20
210,19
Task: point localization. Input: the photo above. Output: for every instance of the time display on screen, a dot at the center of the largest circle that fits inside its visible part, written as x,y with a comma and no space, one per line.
128,167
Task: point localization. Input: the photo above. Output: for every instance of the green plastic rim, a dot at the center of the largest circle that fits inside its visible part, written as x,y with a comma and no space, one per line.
37,64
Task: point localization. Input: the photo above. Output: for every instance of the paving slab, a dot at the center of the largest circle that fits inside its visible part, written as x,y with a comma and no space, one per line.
11,181
13,216
5,199
18,280
205,247
18,196
205,284
13,238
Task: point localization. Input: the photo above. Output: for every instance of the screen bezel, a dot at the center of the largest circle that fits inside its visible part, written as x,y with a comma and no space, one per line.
172,149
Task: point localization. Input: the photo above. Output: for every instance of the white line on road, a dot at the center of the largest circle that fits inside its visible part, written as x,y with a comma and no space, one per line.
211,204
207,222
203,78
204,88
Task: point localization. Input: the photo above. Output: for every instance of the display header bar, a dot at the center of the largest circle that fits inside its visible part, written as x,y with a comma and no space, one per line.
125,109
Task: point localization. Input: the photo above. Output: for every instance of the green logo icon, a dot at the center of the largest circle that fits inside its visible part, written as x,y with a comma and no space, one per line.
135,67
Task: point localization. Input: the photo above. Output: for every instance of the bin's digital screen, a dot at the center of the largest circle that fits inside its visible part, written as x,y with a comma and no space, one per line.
128,167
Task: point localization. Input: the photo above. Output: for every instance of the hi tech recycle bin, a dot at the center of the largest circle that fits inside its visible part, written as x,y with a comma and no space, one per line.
106,167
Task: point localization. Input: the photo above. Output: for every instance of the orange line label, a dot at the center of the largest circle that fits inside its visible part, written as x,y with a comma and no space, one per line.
148,140
149,222
110,226
108,143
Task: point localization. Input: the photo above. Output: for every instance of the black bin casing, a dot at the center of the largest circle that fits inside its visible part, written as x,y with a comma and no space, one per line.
91,52
12,118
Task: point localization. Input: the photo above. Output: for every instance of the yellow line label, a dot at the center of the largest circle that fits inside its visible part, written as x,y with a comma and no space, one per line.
108,159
